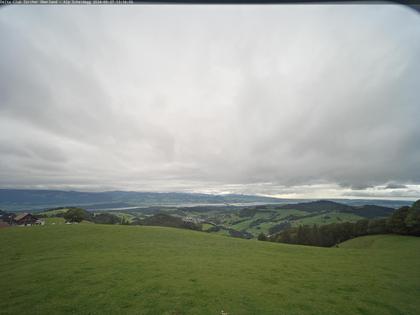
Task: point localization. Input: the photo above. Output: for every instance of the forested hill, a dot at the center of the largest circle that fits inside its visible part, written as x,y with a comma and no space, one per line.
368,211
319,205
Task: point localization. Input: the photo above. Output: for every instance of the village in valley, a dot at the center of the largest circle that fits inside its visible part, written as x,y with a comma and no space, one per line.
275,222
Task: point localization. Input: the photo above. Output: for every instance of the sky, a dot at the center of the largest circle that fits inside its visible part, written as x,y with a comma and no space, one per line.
305,101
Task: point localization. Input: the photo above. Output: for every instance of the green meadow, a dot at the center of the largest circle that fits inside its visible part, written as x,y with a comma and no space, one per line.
114,269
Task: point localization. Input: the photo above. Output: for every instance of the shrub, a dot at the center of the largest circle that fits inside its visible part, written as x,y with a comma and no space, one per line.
76,215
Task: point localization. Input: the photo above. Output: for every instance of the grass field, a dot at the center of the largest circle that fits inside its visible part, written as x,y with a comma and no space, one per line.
328,218
53,220
98,269
382,242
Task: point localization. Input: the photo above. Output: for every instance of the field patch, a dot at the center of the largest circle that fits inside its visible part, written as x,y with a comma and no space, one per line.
97,269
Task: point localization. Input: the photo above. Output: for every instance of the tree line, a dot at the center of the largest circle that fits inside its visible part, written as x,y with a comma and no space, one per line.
78,215
159,219
404,221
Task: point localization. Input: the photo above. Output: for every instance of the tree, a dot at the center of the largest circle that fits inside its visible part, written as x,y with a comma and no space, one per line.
303,235
378,226
76,215
285,237
360,227
125,221
326,235
262,237
315,238
416,205
412,220
106,218
396,222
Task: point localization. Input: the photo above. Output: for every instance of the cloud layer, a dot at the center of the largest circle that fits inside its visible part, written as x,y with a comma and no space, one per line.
260,99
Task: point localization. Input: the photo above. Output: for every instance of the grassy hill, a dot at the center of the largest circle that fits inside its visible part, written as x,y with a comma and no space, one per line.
99,269
382,242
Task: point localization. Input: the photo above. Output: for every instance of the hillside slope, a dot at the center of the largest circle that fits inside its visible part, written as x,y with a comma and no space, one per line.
97,269
383,242
368,211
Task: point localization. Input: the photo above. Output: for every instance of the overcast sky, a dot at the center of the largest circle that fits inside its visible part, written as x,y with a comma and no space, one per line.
287,100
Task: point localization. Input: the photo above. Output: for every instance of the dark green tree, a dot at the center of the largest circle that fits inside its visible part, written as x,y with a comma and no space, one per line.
314,235
262,237
76,215
106,218
286,237
303,235
125,221
416,205
360,227
412,220
378,227
396,222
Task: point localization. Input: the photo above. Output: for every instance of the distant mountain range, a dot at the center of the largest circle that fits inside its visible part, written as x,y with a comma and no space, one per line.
27,199
17,199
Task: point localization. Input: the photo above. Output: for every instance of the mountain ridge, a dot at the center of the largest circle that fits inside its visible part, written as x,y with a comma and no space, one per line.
33,199
11,199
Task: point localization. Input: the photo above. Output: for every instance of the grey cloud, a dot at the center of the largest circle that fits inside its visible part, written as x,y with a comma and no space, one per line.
407,194
395,186
222,98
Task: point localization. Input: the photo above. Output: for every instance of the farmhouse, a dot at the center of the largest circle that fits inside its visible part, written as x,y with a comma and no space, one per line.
26,219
